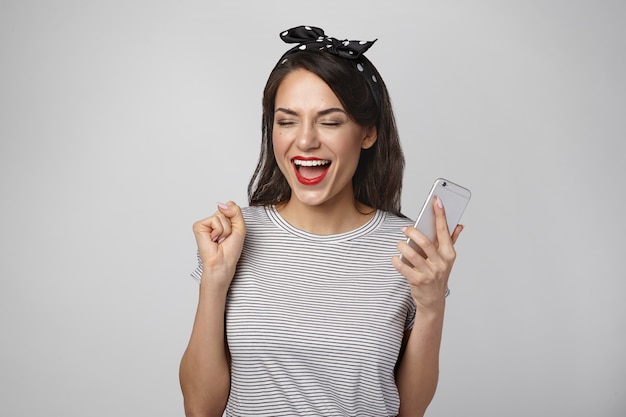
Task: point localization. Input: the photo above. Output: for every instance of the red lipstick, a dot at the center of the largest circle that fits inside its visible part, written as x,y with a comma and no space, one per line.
307,163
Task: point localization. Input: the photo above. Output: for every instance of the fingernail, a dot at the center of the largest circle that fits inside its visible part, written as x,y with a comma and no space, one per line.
439,202
404,229
215,238
221,240
222,205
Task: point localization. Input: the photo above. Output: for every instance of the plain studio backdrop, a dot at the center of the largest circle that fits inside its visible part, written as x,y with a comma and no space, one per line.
123,122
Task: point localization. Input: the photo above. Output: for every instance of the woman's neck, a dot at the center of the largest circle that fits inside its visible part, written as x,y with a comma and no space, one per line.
326,219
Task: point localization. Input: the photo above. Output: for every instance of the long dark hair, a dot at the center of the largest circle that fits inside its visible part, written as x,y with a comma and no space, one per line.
377,181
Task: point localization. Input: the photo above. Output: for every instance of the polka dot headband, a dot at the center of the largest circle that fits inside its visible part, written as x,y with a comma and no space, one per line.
310,37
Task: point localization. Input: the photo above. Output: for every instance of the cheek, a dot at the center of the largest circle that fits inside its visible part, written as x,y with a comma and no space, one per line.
352,153
280,148
278,144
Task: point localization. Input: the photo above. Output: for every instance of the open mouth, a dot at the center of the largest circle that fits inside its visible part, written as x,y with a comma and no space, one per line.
311,171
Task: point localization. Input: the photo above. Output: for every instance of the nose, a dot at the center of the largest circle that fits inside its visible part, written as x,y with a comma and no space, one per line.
307,137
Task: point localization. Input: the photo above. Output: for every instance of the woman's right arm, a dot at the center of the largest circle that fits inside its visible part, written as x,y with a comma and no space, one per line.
205,368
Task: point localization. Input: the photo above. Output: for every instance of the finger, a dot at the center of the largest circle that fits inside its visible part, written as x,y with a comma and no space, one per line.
445,244
417,276
210,227
411,253
457,231
441,222
223,229
421,252
204,226
402,267
429,249
235,218
445,247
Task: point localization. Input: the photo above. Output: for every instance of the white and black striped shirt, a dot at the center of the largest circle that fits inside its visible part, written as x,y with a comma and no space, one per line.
315,323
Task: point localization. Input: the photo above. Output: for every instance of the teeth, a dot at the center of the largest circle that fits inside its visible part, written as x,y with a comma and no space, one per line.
313,163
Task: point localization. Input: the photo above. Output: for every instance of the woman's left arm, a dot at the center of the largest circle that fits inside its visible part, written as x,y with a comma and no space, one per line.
417,374
418,370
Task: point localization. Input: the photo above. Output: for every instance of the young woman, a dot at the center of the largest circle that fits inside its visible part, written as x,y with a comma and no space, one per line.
305,308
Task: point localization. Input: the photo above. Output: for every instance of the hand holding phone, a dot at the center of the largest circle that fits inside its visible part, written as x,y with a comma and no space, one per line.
454,199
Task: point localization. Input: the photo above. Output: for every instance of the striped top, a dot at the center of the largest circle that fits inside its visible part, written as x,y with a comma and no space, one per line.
314,323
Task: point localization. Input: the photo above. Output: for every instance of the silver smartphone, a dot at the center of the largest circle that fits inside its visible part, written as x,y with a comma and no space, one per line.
454,198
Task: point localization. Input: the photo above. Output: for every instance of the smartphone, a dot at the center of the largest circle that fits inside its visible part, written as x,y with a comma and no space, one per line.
454,198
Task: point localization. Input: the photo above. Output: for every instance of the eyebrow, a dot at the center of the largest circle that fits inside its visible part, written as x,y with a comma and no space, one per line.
319,113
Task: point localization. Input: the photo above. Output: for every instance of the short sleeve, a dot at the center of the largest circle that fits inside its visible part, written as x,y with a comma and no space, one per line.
410,317
197,273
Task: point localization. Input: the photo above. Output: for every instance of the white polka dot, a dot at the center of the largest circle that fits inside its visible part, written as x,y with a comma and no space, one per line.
284,33
362,42
346,43
359,67
307,27
374,78
302,47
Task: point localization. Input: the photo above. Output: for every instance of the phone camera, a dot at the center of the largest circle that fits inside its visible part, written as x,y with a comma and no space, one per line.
444,183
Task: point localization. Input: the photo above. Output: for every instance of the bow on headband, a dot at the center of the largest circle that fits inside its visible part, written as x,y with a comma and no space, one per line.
312,37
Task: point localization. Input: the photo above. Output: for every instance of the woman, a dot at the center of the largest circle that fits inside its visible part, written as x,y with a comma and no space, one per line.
305,308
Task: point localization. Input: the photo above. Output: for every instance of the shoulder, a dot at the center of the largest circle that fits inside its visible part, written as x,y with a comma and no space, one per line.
254,214
257,218
384,231
252,211
393,218
393,222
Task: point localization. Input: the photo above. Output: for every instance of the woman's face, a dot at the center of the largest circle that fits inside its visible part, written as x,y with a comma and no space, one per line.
316,143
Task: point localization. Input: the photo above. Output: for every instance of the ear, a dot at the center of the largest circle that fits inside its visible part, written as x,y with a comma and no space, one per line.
371,134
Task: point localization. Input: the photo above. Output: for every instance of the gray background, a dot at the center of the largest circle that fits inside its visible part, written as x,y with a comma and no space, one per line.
123,122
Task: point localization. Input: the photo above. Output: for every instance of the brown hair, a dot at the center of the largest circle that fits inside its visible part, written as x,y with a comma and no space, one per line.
377,181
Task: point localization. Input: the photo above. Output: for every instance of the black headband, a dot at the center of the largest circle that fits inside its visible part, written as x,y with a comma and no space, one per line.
310,37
